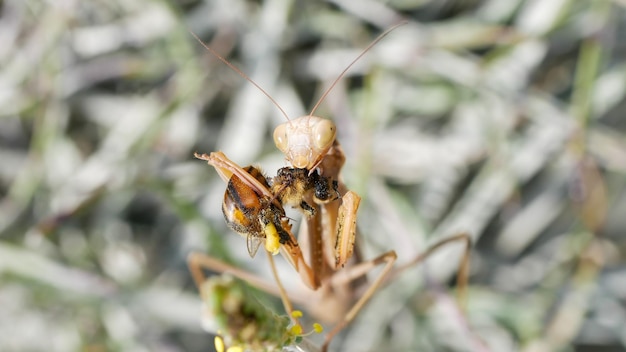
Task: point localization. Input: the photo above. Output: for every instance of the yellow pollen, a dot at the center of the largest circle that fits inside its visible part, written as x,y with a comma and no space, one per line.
296,314
318,328
296,330
219,344
272,243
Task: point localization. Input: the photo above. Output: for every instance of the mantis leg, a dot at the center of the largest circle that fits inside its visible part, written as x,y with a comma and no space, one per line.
463,273
197,262
352,273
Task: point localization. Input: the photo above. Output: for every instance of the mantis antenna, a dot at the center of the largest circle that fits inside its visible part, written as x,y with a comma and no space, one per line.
321,99
234,68
343,73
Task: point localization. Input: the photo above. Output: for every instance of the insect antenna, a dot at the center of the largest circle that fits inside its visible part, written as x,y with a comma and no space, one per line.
343,73
234,68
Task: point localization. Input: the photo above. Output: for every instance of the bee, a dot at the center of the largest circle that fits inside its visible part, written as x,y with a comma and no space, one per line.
253,207
259,218
254,215
297,187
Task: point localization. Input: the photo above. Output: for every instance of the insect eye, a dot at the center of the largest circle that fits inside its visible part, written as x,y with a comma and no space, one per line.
280,138
324,134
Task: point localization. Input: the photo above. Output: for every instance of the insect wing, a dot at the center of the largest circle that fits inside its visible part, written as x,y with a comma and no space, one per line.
253,243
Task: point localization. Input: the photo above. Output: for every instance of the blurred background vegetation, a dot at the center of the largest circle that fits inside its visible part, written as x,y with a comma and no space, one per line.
500,118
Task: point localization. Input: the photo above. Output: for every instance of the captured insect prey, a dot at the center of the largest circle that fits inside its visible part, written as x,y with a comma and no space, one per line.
259,219
254,216
293,187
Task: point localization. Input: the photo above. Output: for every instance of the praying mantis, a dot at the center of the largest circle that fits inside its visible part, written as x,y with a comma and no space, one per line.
254,207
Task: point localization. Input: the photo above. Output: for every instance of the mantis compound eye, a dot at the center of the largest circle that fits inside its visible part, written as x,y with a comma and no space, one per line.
324,133
280,138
